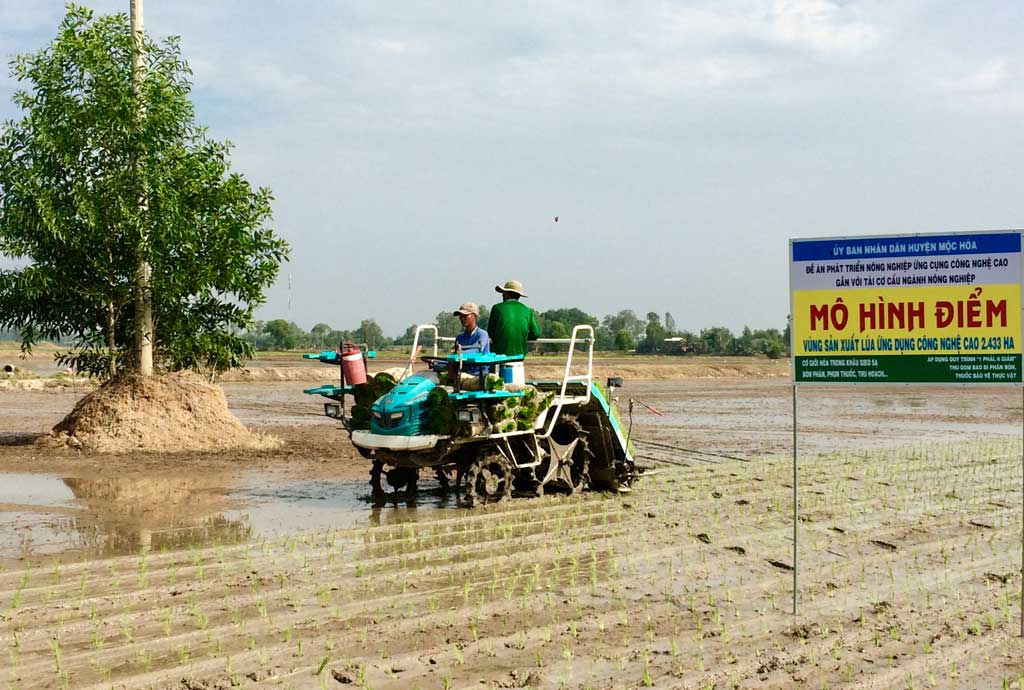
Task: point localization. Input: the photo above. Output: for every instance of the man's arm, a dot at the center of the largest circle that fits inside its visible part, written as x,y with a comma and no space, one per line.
533,330
493,322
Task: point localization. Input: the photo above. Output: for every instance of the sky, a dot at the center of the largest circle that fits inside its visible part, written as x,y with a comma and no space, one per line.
420,151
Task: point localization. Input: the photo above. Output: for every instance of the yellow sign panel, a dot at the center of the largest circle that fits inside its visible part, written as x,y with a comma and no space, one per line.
923,320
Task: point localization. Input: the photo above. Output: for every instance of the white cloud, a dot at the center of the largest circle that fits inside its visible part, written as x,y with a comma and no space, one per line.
822,27
995,83
390,47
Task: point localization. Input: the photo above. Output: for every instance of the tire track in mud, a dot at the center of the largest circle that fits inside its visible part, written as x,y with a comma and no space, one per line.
580,591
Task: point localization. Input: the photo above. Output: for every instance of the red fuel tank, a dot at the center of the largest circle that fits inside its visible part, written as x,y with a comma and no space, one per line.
353,366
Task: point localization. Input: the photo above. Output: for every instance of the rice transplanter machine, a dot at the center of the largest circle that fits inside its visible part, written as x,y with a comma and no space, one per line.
494,434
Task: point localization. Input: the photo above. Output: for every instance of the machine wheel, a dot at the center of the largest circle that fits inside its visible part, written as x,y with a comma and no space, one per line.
443,480
397,478
607,471
565,432
488,480
376,487
579,471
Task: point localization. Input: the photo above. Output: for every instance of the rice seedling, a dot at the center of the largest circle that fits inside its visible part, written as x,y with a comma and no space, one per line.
22,584
57,655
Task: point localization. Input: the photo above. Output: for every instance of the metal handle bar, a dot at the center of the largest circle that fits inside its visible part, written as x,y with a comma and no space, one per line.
561,341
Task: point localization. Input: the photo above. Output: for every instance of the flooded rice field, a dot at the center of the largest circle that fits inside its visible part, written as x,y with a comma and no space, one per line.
274,569
53,502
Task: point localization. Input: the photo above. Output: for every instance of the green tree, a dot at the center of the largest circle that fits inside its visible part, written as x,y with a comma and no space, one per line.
670,323
566,319
569,317
654,335
613,323
689,343
717,340
73,170
744,344
768,342
371,334
448,325
554,329
624,341
407,337
336,338
284,335
321,333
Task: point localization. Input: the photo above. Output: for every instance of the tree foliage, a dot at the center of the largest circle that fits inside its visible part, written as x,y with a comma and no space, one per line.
371,334
624,341
448,325
284,335
73,171
654,335
611,324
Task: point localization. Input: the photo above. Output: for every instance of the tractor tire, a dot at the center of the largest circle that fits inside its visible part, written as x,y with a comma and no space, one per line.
488,480
376,485
566,431
398,478
607,471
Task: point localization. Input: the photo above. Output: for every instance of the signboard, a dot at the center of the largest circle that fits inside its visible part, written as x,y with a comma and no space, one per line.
942,308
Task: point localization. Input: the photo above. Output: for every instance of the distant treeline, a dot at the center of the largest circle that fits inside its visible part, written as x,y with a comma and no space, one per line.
621,332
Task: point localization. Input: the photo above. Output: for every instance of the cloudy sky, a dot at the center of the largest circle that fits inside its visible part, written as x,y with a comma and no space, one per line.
419,151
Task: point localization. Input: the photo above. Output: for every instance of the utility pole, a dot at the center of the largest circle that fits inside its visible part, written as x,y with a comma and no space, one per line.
143,271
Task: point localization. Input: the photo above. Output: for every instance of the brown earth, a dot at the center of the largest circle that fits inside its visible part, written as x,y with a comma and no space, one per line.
546,367
177,412
910,548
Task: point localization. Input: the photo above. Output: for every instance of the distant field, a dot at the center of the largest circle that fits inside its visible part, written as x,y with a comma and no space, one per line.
290,366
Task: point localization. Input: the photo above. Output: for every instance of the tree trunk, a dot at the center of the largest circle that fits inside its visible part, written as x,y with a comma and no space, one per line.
111,343
143,325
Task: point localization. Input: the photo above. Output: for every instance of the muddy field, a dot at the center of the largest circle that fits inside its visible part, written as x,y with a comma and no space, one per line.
275,570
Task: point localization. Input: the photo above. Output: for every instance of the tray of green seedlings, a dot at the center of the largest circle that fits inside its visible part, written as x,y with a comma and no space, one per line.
520,413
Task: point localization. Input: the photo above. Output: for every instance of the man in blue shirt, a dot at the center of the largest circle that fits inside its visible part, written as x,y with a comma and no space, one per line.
473,338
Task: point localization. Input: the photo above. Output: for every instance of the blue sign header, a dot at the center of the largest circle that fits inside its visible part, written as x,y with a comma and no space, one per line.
906,245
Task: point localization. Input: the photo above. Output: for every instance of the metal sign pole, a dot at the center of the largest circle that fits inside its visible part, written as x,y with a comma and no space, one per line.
795,501
1022,522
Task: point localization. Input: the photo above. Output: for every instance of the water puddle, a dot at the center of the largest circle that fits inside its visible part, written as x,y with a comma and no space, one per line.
44,515
313,505
33,490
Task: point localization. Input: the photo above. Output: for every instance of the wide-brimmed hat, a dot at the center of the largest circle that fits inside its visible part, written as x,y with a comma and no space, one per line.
511,286
467,308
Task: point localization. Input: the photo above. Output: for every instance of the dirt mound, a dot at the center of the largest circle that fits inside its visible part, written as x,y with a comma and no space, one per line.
167,413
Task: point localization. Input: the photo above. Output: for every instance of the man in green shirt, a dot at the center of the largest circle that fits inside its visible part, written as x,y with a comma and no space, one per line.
511,322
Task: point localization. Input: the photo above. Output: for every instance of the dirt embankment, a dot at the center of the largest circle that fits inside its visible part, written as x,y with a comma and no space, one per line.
636,368
281,369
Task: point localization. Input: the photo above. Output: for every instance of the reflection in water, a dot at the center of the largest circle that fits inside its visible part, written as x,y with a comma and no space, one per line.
394,510
115,515
152,512
24,489
113,539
